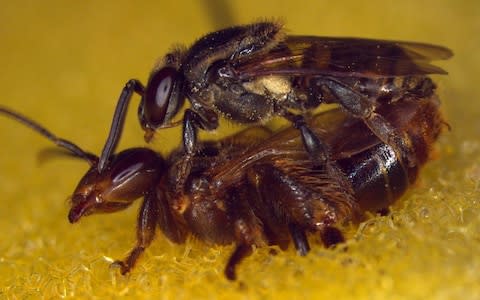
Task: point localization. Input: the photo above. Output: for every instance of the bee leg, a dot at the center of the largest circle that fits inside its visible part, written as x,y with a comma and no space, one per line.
170,228
146,224
331,236
362,107
192,120
400,142
241,251
299,239
316,148
248,229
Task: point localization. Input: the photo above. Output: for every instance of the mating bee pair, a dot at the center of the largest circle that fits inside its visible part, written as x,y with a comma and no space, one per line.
327,169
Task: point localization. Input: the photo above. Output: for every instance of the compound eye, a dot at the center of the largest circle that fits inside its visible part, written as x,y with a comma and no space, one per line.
134,171
158,96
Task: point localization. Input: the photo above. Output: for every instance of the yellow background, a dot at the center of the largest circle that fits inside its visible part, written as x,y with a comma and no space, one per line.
64,64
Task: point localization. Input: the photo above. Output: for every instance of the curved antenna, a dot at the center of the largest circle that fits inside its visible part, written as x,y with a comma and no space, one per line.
70,146
119,115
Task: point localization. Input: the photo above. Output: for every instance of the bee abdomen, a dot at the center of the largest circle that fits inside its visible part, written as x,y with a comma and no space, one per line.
377,176
390,89
381,175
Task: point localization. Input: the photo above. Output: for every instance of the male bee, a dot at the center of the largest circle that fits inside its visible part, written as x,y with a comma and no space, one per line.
228,195
251,73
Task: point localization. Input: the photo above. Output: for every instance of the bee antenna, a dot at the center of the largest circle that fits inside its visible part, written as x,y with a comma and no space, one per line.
132,86
71,147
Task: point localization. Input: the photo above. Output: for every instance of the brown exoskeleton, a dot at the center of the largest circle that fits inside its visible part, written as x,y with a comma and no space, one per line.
283,195
254,72
256,188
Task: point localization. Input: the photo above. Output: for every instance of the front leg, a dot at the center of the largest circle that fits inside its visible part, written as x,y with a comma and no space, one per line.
146,223
192,120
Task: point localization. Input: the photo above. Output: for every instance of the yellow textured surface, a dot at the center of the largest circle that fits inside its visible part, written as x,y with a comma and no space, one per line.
64,63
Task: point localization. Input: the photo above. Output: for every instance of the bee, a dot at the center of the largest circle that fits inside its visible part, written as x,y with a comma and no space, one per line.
252,73
228,195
